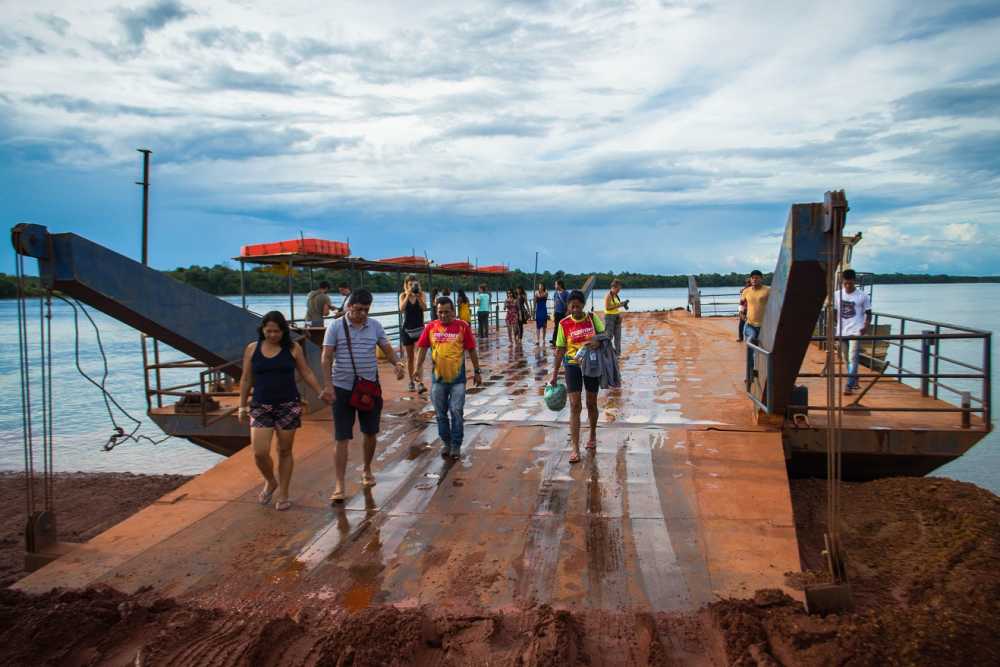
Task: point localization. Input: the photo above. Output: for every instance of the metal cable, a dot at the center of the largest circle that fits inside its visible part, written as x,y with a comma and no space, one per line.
22,337
119,435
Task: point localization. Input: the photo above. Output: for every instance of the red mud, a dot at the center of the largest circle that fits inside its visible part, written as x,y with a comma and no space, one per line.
87,504
923,555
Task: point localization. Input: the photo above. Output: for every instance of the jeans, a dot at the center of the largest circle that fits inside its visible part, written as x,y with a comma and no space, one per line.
750,333
613,326
484,324
850,350
449,407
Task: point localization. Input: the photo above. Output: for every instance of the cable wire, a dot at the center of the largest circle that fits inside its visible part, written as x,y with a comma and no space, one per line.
119,434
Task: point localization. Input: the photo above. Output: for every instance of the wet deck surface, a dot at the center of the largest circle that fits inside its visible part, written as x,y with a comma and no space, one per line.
685,499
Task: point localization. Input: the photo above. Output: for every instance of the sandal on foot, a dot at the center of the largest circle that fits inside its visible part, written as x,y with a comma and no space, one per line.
574,457
282,505
591,444
337,497
367,480
264,497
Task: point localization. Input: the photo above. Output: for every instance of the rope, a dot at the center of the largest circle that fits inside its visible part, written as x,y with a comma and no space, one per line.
119,434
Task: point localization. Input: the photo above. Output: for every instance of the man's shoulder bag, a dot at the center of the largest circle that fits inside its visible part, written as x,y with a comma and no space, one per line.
365,394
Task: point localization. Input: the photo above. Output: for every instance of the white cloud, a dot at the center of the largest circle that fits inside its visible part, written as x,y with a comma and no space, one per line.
525,109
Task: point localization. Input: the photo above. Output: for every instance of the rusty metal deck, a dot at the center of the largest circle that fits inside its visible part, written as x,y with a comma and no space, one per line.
685,499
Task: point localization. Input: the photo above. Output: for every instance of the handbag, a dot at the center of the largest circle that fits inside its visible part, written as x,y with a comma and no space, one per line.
365,393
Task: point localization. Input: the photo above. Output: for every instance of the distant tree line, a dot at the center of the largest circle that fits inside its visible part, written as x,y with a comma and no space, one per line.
223,280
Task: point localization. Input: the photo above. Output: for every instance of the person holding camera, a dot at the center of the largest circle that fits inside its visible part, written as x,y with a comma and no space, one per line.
613,305
412,306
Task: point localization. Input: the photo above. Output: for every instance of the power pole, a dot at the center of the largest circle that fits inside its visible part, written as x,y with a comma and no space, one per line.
145,203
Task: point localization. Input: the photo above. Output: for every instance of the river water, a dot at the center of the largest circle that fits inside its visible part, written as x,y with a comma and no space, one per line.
83,425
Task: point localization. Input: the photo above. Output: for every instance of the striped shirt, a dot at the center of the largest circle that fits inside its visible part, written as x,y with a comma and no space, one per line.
363,341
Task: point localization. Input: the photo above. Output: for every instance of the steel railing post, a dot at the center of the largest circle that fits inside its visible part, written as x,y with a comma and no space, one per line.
987,379
925,362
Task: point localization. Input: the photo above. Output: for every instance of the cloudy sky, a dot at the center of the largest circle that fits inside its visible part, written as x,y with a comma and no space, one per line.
650,136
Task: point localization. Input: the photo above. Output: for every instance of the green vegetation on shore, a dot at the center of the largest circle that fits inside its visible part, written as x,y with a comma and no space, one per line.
222,280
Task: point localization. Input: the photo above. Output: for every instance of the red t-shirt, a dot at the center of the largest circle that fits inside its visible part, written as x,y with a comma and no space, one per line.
448,344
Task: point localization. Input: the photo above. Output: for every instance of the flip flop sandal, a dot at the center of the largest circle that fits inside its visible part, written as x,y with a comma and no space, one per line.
282,505
592,444
337,497
574,458
264,498
368,480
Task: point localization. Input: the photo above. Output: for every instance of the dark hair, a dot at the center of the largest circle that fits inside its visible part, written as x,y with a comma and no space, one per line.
462,298
443,301
324,285
361,296
849,274
482,285
279,319
756,272
343,286
577,295
560,283
520,290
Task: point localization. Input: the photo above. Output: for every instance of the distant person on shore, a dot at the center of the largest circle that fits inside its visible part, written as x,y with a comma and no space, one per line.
613,305
275,410
483,311
512,315
349,356
523,315
741,313
412,305
755,300
575,331
541,314
345,293
464,308
560,299
449,339
318,305
854,316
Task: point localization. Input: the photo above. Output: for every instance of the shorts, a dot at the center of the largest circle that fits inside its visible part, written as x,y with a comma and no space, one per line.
576,381
285,416
344,412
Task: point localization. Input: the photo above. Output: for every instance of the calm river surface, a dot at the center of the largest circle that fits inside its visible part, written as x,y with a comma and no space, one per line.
83,426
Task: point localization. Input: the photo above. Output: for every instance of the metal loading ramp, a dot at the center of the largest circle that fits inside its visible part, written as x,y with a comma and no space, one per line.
685,499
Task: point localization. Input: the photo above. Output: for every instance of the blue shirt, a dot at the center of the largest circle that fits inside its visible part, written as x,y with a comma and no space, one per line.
484,302
559,301
363,342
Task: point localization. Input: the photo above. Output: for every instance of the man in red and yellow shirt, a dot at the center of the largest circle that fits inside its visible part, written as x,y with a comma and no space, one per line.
448,338
572,333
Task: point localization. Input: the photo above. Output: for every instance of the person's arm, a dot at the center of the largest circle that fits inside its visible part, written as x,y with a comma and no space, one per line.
867,305
304,371
422,301
477,372
418,368
422,344
560,353
326,307
383,343
593,343
246,380
403,297
326,363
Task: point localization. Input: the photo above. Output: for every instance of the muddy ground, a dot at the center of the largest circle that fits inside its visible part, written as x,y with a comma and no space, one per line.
923,554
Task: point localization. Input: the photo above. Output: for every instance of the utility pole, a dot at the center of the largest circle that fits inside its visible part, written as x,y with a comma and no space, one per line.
145,203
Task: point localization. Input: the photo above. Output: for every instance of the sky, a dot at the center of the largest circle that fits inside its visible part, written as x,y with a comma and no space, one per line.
648,136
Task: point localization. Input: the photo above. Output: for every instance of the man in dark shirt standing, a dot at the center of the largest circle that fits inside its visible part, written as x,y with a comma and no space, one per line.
560,298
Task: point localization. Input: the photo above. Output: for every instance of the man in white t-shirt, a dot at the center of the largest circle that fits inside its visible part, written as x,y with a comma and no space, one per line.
854,315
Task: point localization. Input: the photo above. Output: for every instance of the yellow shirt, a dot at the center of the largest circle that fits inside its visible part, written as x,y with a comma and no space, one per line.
465,312
615,304
756,304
